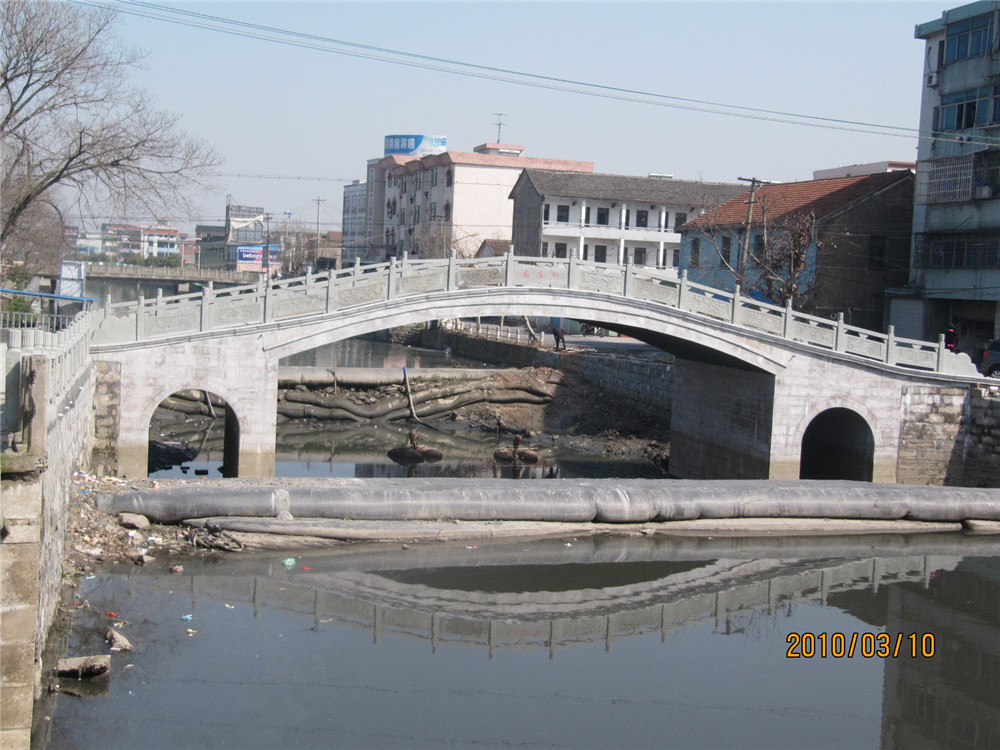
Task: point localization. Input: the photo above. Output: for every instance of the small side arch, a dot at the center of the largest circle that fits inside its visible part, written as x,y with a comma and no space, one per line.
838,444
200,403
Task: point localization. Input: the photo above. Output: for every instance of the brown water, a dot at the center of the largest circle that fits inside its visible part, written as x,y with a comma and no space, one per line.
569,643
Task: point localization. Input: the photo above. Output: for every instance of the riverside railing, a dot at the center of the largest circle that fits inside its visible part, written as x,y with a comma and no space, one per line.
66,346
269,301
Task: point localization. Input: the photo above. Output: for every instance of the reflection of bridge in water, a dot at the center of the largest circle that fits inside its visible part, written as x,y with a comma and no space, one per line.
440,594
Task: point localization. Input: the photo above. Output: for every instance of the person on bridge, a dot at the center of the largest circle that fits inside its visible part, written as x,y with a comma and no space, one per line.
560,336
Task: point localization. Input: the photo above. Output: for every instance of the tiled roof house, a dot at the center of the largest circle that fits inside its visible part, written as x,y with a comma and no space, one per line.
860,244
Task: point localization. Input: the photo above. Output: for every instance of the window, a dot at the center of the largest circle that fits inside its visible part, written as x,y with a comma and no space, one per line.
876,251
726,252
603,215
562,214
758,245
402,215
628,215
402,187
642,218
639,254
434,211
449,179
434,177
969,38
447,212
416,214
695,252
600,253
586,216
545,249
967,109
679,219
419,180
545,212
560,249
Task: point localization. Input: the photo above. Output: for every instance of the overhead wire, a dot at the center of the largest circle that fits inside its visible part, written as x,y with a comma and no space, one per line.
193,19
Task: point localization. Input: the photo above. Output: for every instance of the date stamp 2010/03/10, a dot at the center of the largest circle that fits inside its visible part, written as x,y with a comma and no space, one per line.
866,645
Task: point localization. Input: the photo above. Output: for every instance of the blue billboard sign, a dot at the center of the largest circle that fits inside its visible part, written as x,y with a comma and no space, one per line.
255,254
415,145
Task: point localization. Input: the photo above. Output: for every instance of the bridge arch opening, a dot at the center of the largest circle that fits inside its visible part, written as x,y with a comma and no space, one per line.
213,439
838,444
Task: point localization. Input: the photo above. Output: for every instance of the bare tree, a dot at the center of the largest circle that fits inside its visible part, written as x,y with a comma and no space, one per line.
69,119
777,265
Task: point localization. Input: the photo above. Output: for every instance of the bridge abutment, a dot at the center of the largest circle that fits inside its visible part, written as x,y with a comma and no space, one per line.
232,368
721,426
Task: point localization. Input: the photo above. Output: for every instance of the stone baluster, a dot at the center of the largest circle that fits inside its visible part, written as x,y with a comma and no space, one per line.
140,307
392,282
890,346
786,330
734,313
839,340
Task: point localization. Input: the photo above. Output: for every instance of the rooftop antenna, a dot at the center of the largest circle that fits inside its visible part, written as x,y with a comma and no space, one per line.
500,122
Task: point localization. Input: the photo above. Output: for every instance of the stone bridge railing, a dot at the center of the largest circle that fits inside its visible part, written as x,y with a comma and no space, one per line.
274,301
63,340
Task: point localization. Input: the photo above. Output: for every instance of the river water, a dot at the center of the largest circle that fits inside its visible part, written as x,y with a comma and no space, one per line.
611,642
590,642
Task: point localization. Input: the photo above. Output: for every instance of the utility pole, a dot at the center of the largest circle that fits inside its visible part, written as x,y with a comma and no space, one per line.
317,200
500,122
266,259
741,266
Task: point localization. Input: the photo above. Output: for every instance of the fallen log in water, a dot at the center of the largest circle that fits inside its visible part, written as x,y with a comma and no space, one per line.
434,393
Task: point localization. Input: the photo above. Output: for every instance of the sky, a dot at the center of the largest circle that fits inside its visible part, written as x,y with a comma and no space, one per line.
295,124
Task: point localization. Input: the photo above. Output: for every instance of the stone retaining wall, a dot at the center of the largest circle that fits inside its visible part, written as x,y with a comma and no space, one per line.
36,495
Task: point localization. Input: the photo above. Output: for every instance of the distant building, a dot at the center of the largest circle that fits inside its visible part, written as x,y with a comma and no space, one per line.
848,239
607,218
160,241
856,170
241,247
454,200
493,248
355,224
955,274
120,240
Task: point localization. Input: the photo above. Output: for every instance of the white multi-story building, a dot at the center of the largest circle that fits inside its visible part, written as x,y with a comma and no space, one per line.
608,218
160,241
355,225
453,200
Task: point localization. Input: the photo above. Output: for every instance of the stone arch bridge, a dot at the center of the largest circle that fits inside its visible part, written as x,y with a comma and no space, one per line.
760,391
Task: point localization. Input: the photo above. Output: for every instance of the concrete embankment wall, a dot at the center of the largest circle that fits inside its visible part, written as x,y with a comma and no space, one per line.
646,383
36,493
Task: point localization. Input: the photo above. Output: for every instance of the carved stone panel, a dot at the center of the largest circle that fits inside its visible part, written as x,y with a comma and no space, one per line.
541,274
601,282
236,313
811,334
184,319
425,282
360,295
651,290
924,358
299,304
866,347
762,321
471,278
715,308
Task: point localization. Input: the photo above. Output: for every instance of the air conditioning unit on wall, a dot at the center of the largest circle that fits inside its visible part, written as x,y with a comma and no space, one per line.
932,80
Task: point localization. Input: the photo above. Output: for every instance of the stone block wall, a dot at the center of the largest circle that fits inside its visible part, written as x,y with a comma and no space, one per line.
982,459
932,441
35,512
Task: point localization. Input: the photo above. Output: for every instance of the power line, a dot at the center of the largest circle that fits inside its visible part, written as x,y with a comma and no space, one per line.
352,49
